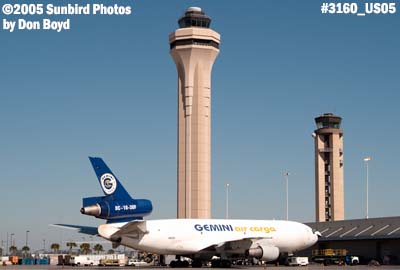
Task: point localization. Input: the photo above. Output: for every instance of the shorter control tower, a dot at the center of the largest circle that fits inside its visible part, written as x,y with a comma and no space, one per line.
329,185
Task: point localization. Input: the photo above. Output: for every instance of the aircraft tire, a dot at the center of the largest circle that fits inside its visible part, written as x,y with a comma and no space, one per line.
173,264
221,264
225,264
197,264
179,264
215,263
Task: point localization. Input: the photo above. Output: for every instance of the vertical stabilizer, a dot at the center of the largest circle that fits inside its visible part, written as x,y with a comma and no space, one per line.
108,181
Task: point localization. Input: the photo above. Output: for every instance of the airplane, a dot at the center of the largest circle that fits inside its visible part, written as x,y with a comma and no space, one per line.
197,239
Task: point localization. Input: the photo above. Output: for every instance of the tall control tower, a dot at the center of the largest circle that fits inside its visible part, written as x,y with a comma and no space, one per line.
194,47
329,184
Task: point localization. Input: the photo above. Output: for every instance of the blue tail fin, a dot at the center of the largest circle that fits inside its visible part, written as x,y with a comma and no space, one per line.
108,181
117,205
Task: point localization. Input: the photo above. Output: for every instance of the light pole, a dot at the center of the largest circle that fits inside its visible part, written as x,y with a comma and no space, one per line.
227,201
26,238
26,243
12,240
44,245
286,174
366,159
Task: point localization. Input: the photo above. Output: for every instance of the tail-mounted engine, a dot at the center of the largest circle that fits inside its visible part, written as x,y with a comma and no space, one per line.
106,208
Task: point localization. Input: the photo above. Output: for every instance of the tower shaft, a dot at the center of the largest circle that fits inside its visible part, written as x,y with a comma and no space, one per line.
329,183
194,50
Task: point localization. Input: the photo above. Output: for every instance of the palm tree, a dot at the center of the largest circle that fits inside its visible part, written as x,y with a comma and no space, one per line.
55,247
25,249
13,249
85,248
71,245
110,251
98,248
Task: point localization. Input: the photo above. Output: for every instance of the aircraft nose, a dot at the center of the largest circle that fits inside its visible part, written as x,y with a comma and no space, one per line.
314,238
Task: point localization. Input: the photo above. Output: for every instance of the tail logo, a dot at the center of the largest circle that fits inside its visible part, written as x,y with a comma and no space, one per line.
108,183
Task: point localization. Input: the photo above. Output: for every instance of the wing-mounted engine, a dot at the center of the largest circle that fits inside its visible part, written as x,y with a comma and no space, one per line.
107,208
263,251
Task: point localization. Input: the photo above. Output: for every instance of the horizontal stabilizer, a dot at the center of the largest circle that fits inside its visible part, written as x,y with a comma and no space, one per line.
81,229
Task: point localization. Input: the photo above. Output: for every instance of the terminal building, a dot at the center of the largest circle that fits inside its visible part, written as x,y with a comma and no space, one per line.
370,239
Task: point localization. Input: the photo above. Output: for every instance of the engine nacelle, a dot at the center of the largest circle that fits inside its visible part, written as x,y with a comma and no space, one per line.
265,253
101,207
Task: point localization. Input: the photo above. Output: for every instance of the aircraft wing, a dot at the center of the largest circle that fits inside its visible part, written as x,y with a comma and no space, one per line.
259,247
232,245
218,246
81,229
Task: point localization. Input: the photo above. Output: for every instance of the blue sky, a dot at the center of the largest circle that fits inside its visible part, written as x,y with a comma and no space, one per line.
108,87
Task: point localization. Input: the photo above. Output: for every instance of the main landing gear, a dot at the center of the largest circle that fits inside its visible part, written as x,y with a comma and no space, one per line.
179,264
221,264
199,264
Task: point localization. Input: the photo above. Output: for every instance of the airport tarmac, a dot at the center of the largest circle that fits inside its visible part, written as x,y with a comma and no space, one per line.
269,267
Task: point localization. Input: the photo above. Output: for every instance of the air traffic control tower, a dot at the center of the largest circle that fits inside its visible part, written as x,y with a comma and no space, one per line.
194,47
329,168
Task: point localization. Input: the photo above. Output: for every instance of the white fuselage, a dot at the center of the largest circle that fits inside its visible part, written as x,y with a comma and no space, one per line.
191,236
